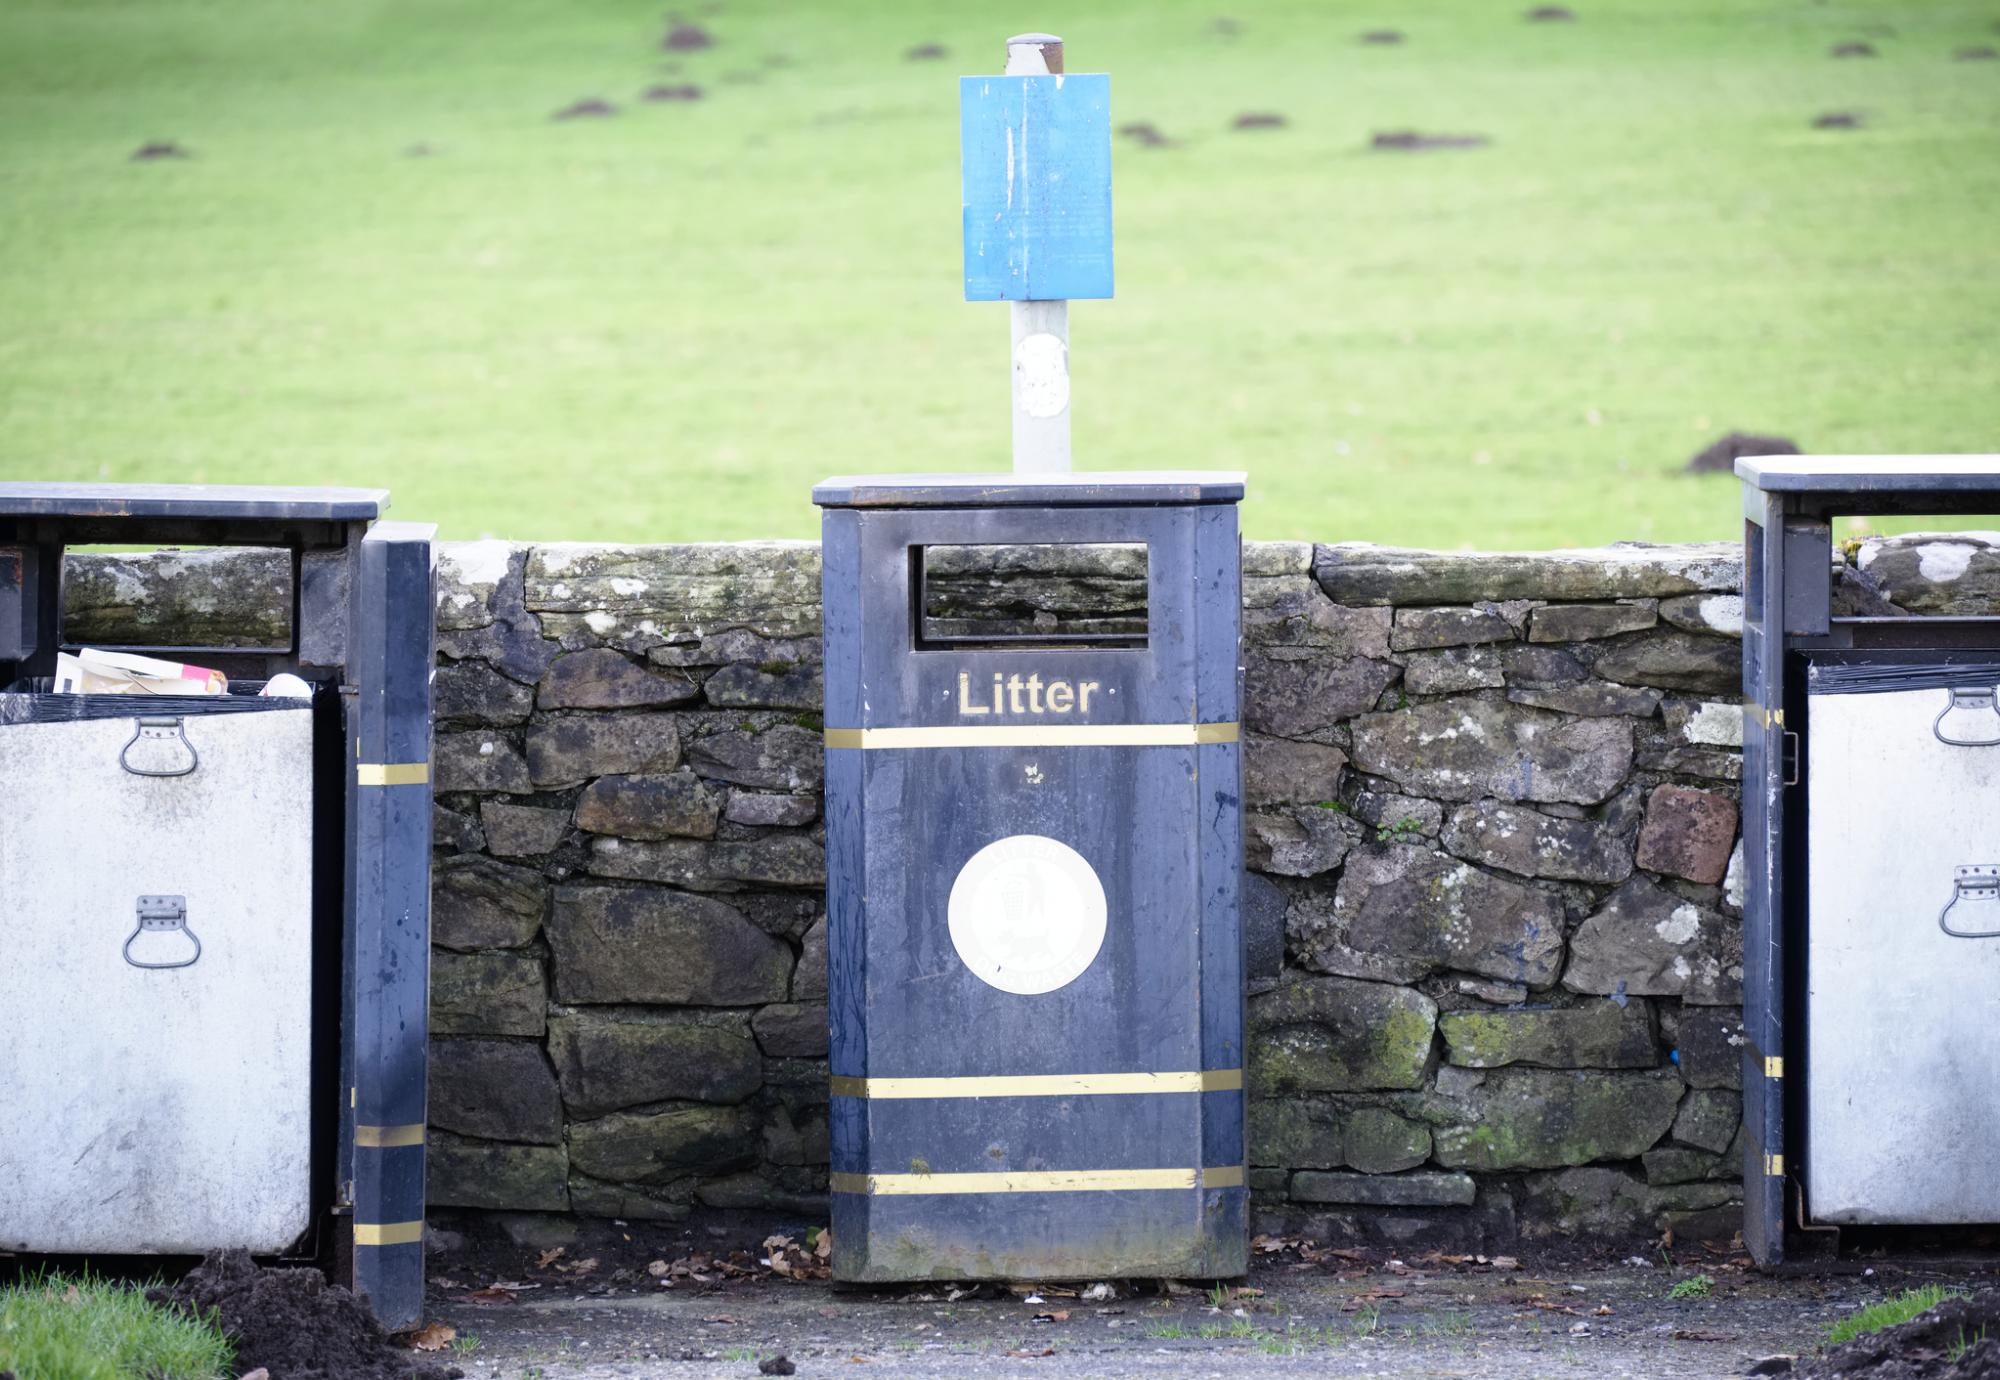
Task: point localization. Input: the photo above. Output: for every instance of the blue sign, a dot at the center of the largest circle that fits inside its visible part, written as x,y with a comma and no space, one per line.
1035,164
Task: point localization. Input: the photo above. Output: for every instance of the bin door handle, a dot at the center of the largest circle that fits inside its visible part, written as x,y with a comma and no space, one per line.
162,913
1975,897
1972,713
159,747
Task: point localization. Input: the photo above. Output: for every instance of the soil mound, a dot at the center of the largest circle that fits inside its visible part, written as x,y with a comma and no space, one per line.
926,52
1853,50
159,148
1413,141
1261,119
1979,53
1551,14
586,110
1957,1340
686,91
1721,456
1383,37
293,1323
686,38
1145,134
1837,119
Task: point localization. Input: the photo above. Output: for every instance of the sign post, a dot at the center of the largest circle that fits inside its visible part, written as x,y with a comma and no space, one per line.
1035,166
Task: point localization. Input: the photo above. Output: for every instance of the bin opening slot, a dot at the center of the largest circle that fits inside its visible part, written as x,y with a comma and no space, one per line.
1061,595
187,599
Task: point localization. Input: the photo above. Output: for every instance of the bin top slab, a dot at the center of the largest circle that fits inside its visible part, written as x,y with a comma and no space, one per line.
195,502
1805,474
1108,489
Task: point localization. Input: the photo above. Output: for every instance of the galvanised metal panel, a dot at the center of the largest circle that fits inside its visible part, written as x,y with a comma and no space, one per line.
1903,1100
1035,954
157,1080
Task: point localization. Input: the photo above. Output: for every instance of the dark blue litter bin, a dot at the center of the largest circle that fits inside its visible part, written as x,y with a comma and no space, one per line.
1034,847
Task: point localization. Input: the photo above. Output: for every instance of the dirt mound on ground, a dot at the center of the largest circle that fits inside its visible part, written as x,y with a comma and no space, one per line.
1721,456
1415,141
293,1323
1957,1340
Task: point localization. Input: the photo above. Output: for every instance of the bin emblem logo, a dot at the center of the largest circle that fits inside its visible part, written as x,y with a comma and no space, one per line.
1027,914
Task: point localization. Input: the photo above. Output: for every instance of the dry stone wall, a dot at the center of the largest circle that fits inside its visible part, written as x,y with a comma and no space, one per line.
1493,906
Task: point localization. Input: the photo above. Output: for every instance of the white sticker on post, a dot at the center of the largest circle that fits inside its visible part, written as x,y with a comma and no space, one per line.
1027,914
1041,375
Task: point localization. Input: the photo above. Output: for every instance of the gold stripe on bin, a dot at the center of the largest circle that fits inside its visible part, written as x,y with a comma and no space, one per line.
1040,1181
1034,736
388,1233
388,1137
1039,1084
392,773
1774,1066
1774,1165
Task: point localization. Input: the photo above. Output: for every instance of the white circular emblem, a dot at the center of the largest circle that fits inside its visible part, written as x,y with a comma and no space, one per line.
1027,914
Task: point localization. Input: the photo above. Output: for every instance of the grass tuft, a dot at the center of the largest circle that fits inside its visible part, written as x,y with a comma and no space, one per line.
1889,1312
80,1327
1693,1287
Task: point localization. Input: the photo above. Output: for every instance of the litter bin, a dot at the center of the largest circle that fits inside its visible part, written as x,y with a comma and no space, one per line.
214,996
1034,851
1871,773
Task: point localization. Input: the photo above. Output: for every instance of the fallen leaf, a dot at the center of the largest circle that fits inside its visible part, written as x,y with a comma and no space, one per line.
658,1269
258,1374
1505,1262
1055,1316
72,1296
447,1284
548,1257
430,1337
579,1267
492,1293
1603,1310
1690,1335
721,1318
1024,1351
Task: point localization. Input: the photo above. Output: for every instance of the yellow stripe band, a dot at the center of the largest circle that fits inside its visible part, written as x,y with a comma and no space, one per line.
1774,1066
392,773
1035,735
388,1233
1040,1181
1040,1084
388,1137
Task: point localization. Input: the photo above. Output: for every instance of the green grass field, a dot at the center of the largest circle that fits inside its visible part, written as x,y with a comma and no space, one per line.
665,325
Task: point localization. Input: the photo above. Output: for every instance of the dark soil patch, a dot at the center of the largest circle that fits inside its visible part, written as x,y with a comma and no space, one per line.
1957,1340
1261,119
1551,14
419,151
1977,53
159,148
687,91
1383,38
1145,134
1721,456
927,52
293,1323
1845,50
1226,26
683,37
1413,141
592,109
1837,119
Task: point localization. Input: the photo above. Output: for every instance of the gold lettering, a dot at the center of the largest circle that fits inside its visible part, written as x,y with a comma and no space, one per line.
1014,694
1034,694
1083,695
998,706
1062,699
965,704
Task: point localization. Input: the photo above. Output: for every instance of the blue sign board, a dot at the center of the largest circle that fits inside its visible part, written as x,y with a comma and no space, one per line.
1035,162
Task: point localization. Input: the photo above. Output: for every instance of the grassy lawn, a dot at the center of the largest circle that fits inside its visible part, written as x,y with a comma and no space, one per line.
82,1328
666,324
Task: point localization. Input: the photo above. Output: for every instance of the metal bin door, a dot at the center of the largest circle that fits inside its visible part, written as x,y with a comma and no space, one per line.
155,989
1903,1086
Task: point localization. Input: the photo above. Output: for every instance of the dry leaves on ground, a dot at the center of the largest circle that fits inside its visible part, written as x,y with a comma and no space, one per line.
430,1337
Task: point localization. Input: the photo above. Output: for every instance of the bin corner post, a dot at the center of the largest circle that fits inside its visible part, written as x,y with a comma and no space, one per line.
1763,903
1218,614
392,650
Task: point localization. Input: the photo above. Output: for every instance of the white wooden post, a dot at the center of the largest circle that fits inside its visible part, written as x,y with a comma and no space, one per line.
1040,330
